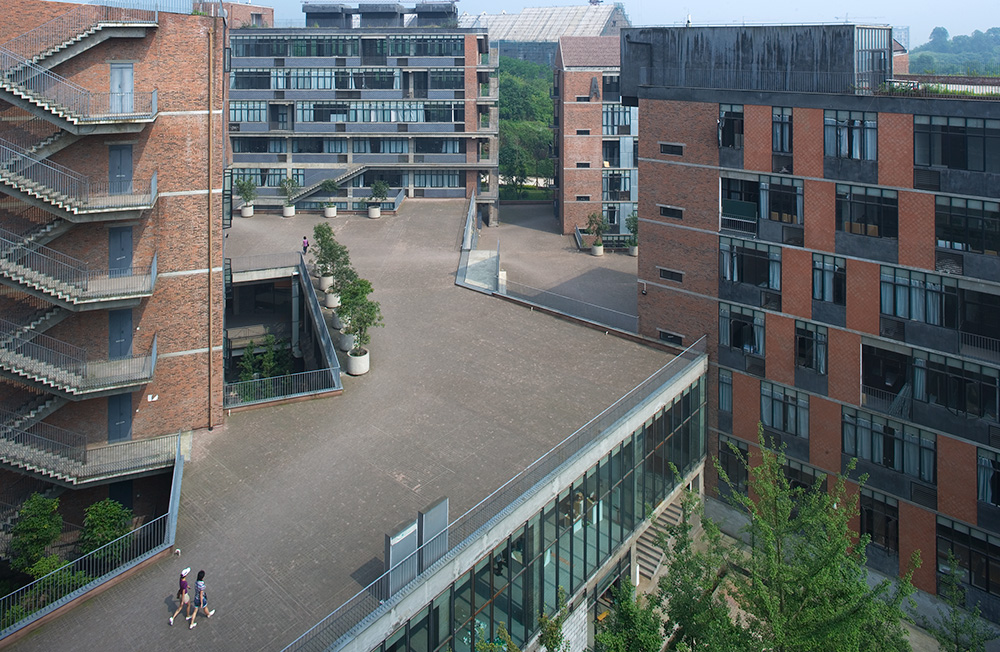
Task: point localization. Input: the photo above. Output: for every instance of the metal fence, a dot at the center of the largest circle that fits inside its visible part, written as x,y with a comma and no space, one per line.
265,261
754,79
573,307
87,572
360,609
263,390
41,437
470,237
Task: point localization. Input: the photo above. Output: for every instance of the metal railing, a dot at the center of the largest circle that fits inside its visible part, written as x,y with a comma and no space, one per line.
71,101
318,324
573,307
53,270
265,261
737,224
470,236
376,596
897,404
13,494
47,594
77,22
979,346
66,187
812,81
43,437
60,364
276,388
30,132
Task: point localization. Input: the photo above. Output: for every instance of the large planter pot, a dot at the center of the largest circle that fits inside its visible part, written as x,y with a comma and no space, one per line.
633,251
357,364
247,210
288,211
325,282
374,211
332,300
597,250
346,342
329,211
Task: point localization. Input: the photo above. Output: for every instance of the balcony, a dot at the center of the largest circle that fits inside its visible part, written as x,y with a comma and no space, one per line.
898,404
738,224
65,369
980,347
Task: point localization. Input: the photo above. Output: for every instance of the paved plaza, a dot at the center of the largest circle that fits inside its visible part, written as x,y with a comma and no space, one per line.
286,507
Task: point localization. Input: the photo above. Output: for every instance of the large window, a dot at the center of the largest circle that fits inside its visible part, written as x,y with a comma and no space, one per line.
781,129
988,476
957,143
244,145
437,179
880,519
894,445
741,328
745,261
725,390
247,111
614,117
865,210
783,409
850,134
965,388
919,296
977,552
731,126
250,78
268,177
829,279
734,463
447,79
967,225
810,346
781,199
439,146
611,88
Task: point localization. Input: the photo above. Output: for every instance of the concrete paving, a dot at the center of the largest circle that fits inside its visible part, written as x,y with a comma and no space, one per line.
286,507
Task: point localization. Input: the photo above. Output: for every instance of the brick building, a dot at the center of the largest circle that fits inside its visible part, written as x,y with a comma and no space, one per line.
595,139
362,94
835,231
111,135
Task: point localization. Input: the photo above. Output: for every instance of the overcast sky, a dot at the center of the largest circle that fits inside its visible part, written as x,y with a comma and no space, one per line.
921,16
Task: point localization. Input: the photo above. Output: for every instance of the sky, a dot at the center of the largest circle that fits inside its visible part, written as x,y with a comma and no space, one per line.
921,16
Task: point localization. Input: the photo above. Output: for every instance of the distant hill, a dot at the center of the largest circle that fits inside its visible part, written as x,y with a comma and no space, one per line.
977,54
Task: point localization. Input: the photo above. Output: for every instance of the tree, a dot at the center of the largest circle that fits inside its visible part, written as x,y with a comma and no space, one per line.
939,34
360,312
551,636
954,627
513,165
502,643
332,258
104,522
633,626
38,525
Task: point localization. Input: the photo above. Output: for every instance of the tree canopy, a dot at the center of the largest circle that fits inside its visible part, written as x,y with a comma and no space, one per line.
525,108
976,54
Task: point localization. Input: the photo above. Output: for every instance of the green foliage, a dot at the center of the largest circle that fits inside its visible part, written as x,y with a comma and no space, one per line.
597,226
246,189
533,142
954,627
360,312
525,109
274,360
550,636
633,626
513,162
502,642
288,187
380,190
632,224
330,186
38,525
104,522
977,54
332,258
46,565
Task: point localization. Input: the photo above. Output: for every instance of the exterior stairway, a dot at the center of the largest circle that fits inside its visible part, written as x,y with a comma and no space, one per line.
648,551
351,172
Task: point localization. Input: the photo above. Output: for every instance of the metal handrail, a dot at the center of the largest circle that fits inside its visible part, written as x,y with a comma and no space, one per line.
470,236
811,81
68,99
41,436
897,404
78,21
61,273
29,132
461,531
319,325
277,388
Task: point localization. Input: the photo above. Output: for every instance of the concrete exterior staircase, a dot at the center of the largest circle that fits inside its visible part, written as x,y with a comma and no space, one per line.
649,555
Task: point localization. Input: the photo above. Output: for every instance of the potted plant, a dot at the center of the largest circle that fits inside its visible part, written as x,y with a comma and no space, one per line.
632,224
247,190
597,226
380,190
361,315
288,187
333,264
331,188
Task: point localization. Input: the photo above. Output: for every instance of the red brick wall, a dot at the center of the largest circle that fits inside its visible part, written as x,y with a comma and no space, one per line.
693,124
796,282
693,252
573,116
678,312
824,434
241,14
957,479
863,296
757,138
807,143
819,209
746,406
779,346
916,229
895,150
918,531
843,365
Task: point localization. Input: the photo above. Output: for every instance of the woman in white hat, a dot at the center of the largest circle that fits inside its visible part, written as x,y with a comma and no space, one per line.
183,599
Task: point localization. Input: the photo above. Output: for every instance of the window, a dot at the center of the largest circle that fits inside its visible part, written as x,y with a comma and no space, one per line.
731,126
671,275
257,20
741,328
611,153
247,111
880,519
744,191
583,197
988,476
582,98
672,211
754,263
957,143
784,409
335,145
583,164
781,199
977,552
439,146
614,117
611,88
437,179
919,296
583,132
672,148
733,462
725,390
967,225
864,210
850,134
671,338
801,476
810,346
251,79
446,79
320,112
617,186
781,129
965,388
244,145
829,279
902,448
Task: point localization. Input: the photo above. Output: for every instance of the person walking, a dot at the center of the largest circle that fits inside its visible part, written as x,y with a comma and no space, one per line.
200,599
305,245
183,597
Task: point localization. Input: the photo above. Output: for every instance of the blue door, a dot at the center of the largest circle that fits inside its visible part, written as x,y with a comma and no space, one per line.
119,334
120,250
120,169
119,418
122,77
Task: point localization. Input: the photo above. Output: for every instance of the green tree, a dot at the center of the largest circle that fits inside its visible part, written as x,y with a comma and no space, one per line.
956,628
502,642
551,636
633,626
38,525
104,522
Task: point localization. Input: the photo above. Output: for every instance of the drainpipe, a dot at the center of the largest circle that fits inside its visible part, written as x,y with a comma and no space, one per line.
211,220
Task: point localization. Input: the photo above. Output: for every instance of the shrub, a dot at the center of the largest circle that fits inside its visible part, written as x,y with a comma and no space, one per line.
104,522
38,525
